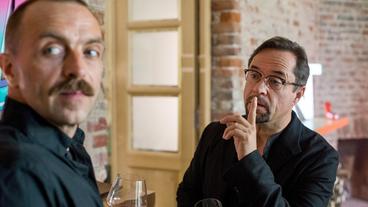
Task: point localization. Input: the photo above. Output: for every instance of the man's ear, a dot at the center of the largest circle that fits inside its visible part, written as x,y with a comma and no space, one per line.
7,68
299,95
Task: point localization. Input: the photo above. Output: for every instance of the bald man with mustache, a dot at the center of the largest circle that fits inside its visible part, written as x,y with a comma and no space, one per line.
53,63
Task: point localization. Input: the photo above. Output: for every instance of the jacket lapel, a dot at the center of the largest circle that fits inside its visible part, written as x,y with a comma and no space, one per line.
286,145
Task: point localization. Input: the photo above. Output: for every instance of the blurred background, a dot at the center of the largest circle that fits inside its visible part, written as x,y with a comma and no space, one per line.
172,66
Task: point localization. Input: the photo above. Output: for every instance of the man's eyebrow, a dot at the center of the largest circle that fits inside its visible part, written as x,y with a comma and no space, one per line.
96,40
53,35
278,72
254,67
275,72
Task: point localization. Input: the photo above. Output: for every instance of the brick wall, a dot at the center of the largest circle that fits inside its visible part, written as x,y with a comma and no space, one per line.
344,55
226,58
296,20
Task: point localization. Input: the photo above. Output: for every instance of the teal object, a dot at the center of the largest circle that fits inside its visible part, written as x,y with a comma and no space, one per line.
3,93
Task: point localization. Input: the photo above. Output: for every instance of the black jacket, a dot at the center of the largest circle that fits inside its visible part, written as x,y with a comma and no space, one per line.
41,166
298,169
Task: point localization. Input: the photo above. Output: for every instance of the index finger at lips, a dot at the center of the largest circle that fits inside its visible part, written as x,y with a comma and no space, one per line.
252,111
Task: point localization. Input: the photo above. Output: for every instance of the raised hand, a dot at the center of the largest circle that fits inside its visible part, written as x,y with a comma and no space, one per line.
242,130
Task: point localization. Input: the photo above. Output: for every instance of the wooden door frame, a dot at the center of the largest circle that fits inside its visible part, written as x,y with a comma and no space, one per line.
116,80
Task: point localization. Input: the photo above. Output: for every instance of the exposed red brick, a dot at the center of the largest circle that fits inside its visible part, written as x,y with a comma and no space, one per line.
226,53
228,39
226,72
100,141
357,46
226,27
102,122
253,41
218,5
232,62
93,126
231,16
325,17
223,50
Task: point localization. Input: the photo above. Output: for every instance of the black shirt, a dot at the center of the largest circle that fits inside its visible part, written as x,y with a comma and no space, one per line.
40,165
298,168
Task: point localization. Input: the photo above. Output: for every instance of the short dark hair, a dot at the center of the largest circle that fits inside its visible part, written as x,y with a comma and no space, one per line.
15,20
301,70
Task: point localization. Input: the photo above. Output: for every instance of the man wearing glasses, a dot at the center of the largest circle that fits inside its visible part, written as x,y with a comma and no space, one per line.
267,157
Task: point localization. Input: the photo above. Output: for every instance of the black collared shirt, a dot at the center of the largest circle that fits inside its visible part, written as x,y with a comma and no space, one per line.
40,165
298,168
268,145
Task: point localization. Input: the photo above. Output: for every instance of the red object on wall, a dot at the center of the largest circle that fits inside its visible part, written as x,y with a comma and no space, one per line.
328,111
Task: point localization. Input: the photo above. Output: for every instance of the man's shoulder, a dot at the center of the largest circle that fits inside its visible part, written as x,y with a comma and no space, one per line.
214,127
212,134
214,130
8,131
312,137
315,142
15,151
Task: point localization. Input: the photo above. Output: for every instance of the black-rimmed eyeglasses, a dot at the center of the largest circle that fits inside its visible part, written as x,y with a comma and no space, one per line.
272,81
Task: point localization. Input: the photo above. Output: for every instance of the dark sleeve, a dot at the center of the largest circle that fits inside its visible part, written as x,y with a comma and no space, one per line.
22,188
190,189
255,182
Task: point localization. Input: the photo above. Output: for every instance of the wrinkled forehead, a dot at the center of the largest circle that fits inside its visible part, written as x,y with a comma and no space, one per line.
54,15
274,62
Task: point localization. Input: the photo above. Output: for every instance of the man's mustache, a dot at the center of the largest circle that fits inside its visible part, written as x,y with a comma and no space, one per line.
260,100
73,84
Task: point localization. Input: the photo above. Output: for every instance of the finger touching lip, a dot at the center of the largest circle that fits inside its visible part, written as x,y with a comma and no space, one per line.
262,104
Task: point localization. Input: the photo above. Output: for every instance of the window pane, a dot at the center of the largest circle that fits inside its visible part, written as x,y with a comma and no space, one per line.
155,58
153,9
155,123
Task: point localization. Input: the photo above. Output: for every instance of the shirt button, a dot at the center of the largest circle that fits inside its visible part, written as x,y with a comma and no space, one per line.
67,149
236,189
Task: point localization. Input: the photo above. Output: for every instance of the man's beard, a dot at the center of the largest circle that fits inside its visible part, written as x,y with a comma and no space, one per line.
261,117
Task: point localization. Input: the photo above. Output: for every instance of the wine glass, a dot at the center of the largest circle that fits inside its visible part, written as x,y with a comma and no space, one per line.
208,202
127,191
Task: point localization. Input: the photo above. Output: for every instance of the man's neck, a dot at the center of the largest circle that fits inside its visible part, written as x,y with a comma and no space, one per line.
266,130
68,130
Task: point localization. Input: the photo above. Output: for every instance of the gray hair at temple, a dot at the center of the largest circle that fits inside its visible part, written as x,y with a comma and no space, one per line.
301,70
14,23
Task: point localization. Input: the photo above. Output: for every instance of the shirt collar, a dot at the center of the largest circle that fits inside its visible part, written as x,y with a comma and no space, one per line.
291,135
286,144
36,128
269,143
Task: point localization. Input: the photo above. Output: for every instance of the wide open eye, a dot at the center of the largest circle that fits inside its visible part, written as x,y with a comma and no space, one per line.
52,50
91,53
